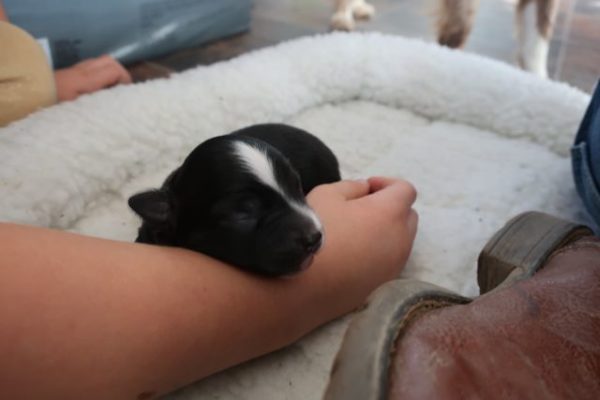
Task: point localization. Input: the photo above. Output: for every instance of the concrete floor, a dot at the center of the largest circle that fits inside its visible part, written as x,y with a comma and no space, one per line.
574,52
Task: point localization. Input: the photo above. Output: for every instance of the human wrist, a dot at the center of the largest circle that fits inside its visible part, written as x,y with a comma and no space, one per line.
330,290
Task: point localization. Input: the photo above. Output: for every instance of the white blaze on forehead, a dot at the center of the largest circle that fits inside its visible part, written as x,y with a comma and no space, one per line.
259,164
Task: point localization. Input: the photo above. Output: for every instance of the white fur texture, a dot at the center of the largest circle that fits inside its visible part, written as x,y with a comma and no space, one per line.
258,164
481,141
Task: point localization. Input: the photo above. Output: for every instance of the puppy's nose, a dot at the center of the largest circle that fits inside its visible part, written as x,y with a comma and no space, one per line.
312,242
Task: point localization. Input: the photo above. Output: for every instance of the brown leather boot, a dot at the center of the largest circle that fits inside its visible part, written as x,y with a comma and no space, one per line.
535,334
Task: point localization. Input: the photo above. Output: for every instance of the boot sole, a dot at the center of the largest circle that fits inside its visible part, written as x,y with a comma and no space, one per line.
361,368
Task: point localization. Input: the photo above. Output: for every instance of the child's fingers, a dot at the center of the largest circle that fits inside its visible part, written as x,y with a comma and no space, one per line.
402,190
348,190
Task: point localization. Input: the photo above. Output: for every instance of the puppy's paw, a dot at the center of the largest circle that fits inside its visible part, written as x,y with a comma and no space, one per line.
363,10
342,21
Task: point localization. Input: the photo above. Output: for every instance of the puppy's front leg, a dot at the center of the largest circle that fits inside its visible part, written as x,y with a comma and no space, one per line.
535,22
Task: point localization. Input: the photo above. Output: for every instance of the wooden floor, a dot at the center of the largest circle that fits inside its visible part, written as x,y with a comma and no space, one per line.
574,51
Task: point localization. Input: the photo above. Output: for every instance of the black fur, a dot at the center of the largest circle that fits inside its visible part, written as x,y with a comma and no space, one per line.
214,205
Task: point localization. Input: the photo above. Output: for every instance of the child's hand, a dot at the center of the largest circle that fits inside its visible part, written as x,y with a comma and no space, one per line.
369,232
89,76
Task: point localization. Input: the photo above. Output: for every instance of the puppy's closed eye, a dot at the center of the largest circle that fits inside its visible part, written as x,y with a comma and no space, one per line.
242,212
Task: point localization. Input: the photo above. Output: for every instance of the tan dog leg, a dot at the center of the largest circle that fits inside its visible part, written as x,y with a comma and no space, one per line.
454,21
362,10
347,10
535,22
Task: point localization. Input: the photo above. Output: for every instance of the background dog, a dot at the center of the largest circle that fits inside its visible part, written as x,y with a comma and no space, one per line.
454,20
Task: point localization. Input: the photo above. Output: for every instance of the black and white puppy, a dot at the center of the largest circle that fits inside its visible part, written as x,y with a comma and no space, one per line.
241,198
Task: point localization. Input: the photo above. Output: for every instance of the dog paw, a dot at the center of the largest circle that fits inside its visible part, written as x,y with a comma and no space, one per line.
363,10
539,70
341,21
533,57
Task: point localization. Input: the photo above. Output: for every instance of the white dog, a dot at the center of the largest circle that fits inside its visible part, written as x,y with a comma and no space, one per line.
535,22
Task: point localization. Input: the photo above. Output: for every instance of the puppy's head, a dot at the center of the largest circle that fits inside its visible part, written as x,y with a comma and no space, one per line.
238,200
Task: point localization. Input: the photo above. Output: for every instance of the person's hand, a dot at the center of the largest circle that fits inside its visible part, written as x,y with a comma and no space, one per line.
89,76
369,231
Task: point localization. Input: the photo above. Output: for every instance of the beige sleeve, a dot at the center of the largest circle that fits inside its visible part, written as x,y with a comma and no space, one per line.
26,79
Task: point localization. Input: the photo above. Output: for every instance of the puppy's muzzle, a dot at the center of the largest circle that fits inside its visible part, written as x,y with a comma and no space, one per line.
312,242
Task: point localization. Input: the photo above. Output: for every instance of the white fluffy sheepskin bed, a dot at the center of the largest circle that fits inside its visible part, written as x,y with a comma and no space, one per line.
481,141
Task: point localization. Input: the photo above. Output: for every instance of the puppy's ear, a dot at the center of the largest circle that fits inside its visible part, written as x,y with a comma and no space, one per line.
153,206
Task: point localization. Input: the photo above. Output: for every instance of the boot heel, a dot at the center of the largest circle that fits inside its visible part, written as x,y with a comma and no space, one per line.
522,246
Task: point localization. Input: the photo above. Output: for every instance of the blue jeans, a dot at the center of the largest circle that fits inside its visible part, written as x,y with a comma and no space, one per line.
585,155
